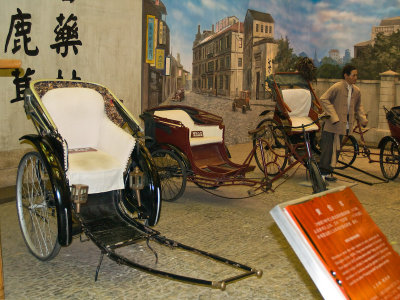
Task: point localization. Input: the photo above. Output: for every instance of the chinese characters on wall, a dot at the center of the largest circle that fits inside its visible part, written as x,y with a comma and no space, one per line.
66,41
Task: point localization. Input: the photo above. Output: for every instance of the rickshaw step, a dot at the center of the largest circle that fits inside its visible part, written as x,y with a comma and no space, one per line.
223,170
112,232
101,223
107,229
229,170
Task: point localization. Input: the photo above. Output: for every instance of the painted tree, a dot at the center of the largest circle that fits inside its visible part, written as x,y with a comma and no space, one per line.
384,55
329,69
285,57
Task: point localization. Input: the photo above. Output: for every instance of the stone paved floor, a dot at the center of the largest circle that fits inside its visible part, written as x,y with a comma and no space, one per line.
239,229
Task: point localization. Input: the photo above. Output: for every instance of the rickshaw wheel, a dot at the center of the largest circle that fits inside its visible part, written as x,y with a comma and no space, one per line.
233,106
275,149
348,152
149,212
389,159
315,142
172,173
36,207
318,183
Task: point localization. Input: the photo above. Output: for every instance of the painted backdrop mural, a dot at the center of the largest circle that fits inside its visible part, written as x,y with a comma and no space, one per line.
310,25
217,49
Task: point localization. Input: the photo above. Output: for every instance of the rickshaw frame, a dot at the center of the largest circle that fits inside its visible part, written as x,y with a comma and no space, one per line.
108,218
209,166
348,155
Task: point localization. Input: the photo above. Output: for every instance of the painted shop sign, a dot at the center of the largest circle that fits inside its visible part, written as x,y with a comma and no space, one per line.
150,57
160,59
168,66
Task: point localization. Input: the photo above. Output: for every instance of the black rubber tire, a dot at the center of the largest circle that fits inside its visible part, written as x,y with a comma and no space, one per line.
36,207
150,210
172,172
318,183
233,106
348,152
315,140
389,159
275,137
243,109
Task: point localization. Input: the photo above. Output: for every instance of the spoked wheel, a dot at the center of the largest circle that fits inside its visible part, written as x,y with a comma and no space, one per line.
348,152
318,183
274,146
389,159
36,207
172,173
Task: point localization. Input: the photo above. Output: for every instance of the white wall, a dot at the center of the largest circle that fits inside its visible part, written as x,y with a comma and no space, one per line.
110,54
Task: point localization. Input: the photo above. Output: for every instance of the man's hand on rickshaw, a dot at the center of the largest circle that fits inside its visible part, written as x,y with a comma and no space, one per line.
364,124
324,116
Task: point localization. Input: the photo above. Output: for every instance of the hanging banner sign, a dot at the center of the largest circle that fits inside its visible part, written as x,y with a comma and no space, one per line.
150,57
167,66
160,59
161,33
155,34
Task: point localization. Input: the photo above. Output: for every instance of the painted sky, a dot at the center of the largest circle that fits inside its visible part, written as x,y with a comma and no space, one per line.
309,24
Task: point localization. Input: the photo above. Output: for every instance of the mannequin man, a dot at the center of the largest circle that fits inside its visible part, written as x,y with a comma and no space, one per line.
342,102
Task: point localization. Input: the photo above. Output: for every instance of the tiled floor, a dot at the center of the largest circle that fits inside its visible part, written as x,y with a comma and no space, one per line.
7,194
238,229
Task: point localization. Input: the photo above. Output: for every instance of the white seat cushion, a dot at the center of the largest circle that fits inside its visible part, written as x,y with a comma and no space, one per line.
298,121
77,113
211,133
80,118
97,169
299,102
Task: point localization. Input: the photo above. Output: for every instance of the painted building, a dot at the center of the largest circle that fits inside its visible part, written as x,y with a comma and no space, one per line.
218,59
347,56
386,26
335,55
155,85
260,49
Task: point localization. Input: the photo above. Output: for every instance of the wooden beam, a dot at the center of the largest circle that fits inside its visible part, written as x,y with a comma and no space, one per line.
10,63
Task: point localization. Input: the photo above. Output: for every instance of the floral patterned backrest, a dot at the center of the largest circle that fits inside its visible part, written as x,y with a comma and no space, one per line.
42,87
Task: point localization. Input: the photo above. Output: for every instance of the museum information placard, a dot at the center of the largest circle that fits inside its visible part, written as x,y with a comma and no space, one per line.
348,243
